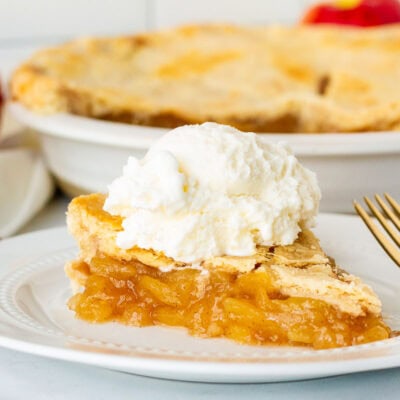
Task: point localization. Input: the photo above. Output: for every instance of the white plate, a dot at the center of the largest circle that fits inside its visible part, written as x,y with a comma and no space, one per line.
34,319
85,154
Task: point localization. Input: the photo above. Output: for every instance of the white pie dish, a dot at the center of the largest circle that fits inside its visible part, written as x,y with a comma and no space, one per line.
86,154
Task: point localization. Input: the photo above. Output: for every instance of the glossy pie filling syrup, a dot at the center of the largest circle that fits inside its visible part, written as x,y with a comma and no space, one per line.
243,307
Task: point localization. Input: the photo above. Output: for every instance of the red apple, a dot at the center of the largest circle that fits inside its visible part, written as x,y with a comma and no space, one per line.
357,13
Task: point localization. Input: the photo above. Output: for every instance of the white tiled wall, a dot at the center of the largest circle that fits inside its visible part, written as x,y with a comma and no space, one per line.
172,12
35,21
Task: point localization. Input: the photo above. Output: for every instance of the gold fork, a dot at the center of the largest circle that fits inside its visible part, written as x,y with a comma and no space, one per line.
392,213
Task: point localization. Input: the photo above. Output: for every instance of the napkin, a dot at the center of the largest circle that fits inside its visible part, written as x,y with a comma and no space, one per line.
25,182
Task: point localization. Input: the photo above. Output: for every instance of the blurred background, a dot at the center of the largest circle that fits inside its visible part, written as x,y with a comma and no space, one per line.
27,25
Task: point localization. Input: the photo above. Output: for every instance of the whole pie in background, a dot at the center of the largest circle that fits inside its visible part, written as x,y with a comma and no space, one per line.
262,79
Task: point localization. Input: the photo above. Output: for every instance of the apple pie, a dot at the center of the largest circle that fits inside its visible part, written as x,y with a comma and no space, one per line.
259,79
291,294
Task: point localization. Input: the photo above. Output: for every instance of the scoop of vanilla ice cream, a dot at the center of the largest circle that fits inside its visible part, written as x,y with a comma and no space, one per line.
210,190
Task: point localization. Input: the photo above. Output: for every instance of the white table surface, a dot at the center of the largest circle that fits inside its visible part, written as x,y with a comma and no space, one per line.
25,376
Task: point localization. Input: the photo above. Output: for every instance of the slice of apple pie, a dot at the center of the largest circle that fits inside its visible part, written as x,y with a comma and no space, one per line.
292,294
210,231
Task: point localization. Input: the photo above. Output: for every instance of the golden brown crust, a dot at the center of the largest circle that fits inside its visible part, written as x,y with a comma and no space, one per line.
96,231
271,79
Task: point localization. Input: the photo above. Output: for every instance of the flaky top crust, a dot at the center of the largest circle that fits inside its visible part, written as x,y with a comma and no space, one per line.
96,231
261,79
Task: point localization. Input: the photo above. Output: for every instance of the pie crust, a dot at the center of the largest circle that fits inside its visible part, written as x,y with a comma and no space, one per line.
261,79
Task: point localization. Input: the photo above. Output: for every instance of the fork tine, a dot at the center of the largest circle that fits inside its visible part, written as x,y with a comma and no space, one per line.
389,229
393,203
388,211
390,249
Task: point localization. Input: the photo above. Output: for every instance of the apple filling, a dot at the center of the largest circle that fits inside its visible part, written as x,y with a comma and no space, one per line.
246,307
